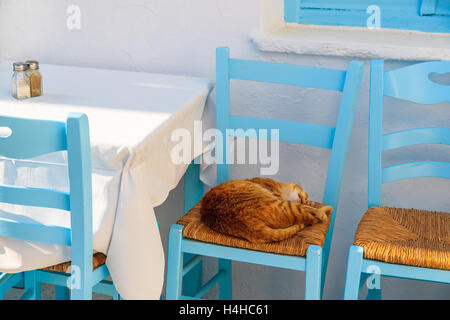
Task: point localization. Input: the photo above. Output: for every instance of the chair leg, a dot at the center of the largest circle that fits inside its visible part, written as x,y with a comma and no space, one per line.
225,284
116,295
32,288
353,277
174,264
192,281
313,273
62,293
79,289
374,294
84,294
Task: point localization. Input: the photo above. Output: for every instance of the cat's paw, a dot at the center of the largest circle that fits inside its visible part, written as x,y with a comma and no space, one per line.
323,213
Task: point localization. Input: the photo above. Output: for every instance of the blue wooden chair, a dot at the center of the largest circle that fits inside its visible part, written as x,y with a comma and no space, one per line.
396,242
30,138
334,138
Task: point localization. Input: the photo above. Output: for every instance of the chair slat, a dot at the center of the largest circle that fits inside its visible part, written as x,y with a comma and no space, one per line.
35,197
31,138
416,169
35,232
290,131
416,136
287,74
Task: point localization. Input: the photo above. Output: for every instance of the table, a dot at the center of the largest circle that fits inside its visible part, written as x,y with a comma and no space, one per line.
131,117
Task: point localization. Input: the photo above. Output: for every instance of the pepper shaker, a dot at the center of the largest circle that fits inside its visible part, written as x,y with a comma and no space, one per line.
35,78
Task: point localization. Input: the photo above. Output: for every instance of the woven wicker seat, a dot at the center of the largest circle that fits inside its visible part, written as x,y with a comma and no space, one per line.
406,236
98,260
195,229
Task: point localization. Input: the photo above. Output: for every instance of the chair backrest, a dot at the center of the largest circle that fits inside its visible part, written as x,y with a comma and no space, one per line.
410,83
334,138
30,138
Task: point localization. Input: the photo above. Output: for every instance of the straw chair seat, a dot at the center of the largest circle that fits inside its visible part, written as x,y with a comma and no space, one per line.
98,260
297,245
405,236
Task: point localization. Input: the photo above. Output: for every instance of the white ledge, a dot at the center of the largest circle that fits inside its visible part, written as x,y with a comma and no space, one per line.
355,42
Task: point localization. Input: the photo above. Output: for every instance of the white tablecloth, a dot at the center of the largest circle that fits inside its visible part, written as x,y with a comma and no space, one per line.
132,168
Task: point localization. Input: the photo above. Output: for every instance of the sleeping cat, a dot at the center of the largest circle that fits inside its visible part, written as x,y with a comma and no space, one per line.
259,209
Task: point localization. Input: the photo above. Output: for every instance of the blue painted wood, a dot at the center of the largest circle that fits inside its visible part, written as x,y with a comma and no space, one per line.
293,132
409,272
321,136
374,294
190,298
62,293
225,283
244,255
223,112
375,132
287,74
291,10
8,281
211,283
428,7
193,193
416,136
60,280
191,264
410,83
353,277
99,274
193,187
105,287
35,197
313,273
415,170
32,290
402,14
80,177
31,138
174,263
52,277
339,151
35,137
35,232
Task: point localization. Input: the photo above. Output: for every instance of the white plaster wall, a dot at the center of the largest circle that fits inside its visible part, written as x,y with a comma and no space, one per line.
180,37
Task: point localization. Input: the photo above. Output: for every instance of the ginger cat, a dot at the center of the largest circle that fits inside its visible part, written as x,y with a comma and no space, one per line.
260,209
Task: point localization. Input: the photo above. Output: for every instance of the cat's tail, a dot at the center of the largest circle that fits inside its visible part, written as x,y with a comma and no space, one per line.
269,234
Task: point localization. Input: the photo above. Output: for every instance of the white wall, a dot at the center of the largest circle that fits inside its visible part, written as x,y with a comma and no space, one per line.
180,37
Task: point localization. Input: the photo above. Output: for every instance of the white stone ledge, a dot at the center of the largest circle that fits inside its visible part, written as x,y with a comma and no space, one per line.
355,42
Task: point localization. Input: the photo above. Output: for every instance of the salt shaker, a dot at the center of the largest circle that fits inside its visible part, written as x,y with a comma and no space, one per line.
35,78
20,81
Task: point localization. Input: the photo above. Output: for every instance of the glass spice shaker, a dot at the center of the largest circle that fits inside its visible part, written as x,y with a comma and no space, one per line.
20,81
35,78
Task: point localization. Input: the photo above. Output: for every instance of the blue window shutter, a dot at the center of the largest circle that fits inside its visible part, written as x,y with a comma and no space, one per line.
291,10
428,7
435,8
421,15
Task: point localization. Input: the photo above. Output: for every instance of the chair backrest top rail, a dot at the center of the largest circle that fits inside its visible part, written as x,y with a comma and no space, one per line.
31,137
413,83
